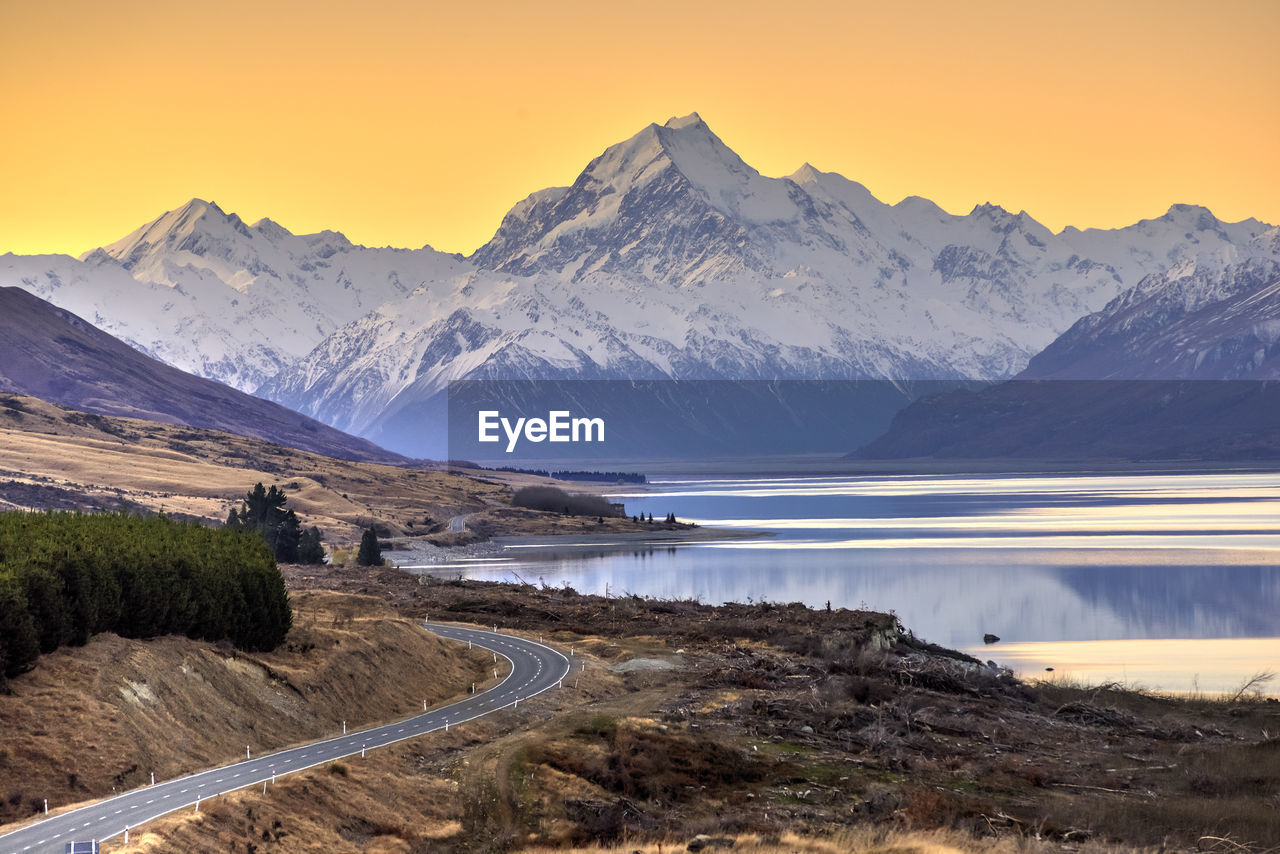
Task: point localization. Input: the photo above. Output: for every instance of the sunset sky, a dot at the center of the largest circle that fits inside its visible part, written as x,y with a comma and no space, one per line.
405,122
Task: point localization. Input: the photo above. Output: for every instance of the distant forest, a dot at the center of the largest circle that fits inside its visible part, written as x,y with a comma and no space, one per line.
65,577
585,476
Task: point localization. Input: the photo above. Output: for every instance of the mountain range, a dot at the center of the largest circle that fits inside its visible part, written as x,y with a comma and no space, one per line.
668,257
1181,366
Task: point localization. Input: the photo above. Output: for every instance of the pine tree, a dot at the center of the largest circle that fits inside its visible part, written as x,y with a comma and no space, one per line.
310,548
288,535
370,553
263,511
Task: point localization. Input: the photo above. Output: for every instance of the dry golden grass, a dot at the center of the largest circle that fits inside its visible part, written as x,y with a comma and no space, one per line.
864,840
203,473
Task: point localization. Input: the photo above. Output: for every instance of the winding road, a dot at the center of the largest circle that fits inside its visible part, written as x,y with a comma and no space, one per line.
535,668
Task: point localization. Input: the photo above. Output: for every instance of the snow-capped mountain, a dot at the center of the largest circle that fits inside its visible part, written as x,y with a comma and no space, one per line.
668,257
1128,382
207,293
1214,316
671,257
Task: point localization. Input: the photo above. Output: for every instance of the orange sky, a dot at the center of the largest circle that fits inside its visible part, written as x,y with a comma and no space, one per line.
406,122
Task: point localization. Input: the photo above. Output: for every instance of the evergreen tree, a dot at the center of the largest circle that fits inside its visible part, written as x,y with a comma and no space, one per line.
67,576
310,548
263,511
288,535
19,638
370,553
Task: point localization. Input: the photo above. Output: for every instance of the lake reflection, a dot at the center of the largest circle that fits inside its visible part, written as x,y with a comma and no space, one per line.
1029,558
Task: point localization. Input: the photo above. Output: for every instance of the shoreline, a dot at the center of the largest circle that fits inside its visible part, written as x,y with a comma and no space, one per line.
424,556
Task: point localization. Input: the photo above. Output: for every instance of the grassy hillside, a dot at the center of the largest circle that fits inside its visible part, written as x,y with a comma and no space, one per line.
52,456
102,717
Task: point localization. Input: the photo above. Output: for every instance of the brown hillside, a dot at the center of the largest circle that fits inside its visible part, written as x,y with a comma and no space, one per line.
54,355
56,457
104,716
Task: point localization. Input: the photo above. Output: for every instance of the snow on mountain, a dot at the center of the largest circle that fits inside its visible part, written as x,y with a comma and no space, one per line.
671,257
668,256
203,291
1212,316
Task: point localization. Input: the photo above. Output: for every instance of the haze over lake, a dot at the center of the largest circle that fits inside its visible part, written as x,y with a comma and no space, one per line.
1052,564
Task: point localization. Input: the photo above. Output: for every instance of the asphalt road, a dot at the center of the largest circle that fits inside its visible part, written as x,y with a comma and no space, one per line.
534,668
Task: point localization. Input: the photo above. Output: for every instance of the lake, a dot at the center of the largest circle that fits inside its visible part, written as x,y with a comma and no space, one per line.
1165,581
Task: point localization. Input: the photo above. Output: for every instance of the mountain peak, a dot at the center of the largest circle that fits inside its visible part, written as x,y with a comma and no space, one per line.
1195,217
271,229
1179,209
682,122
989,210
806,174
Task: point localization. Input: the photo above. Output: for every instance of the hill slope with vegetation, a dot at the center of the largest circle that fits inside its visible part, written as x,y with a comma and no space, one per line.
102,717
65,577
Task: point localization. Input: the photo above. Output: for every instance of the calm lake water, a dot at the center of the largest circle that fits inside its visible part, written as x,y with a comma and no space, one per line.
1109,576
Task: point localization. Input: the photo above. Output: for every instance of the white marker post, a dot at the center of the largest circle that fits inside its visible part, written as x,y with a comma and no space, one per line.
46,806
247,754
362,751
344,727
153,778
197,804
126,836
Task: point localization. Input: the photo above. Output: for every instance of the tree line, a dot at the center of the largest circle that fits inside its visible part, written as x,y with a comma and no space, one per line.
559,501
65,577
